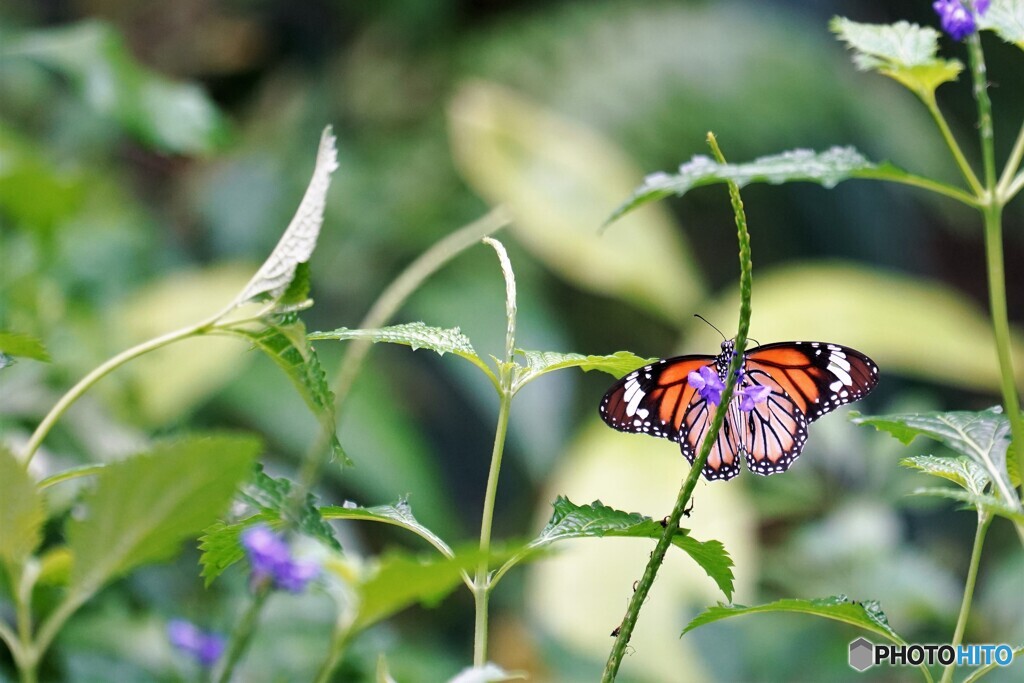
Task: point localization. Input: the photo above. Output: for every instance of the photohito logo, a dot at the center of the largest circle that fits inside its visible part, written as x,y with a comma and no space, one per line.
864,654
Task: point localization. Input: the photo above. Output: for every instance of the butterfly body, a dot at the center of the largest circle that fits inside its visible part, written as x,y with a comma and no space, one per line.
781,389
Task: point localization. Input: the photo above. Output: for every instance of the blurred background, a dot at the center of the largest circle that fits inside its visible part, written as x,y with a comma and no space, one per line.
151,154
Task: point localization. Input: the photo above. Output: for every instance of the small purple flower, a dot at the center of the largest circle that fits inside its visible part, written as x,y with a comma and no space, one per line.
752,395
205,648
271,560
959,19
708,384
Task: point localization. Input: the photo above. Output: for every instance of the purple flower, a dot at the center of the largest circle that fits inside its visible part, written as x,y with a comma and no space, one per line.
752,395
205,648
958,19
708,384
271,560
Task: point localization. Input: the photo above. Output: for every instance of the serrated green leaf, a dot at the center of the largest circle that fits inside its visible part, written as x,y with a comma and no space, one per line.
826,168
92,55
416,335
286,344
143,508
17,344
400,514
981,501
297,293
299,239
962,470
399,580
488,673
220,545
902,51
982,436
598,520
21,510
867,615
1006,19
273,498
540,362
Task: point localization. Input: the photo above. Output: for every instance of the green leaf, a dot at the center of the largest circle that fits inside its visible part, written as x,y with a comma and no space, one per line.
400,514
173,117
960,470
297,294
299,239
902,51
980,501
21,510
221,548
826,168
416,335
1006,19
867,615
399,580
143,508
598,520
540,362
26,174
488,673
17,344
286,344
982,436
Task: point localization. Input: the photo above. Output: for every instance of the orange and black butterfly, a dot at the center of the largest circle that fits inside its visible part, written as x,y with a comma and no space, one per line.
781,389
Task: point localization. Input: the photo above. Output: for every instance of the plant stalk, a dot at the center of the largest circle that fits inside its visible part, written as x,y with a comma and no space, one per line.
954,146
339,642
643,587
243,633
984,519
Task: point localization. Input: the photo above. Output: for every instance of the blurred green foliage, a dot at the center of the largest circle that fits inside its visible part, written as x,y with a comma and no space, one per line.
151,155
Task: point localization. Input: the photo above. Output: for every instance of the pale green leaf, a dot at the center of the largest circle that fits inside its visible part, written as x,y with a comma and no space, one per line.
540,362
285,342
400,514
1006,19
571,521
826,168
21,510
560,181
982,436
902,51
416,335
17,344
383,675
488,673
92,55
980,502
299,239
399,580
144,507
960,470
867,615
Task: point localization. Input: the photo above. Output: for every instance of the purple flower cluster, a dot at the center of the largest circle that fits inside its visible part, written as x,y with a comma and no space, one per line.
205,648
272,562
710,387
959,18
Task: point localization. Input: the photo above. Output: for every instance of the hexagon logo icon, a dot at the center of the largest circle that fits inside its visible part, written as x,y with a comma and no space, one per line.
862,654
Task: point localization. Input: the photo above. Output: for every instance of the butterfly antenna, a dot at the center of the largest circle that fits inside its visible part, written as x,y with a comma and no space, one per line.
698,315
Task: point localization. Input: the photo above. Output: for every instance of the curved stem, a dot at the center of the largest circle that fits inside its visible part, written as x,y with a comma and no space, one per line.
339,642
643,587
101,371
984,519
954,146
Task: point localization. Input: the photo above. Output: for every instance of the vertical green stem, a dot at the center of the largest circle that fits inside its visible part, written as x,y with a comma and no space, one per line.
984,519
243,633
994,253
643,587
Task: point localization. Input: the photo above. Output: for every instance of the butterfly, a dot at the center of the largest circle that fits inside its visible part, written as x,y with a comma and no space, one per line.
780,390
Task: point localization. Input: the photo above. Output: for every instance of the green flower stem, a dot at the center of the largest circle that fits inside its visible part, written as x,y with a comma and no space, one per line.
1013,188
978,673
961,161
104,369
625,630
984,519
339,642
243,633
992,213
